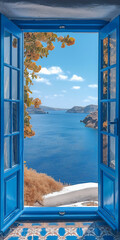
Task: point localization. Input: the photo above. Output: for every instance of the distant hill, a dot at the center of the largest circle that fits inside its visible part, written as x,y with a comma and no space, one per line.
46,108
32,110
87,109
42,109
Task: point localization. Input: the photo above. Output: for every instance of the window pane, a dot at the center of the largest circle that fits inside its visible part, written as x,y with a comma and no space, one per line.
105,84
14,84
112,152
15,117
14,51
105,52
112,116
113,83
6,82
104,117
14,150
105,149
7,152
6,118
7,47
113,48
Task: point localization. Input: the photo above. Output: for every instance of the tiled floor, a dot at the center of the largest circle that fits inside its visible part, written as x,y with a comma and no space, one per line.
60,231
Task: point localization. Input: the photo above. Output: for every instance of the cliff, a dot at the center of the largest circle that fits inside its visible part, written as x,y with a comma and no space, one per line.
91,120
86,109
32,110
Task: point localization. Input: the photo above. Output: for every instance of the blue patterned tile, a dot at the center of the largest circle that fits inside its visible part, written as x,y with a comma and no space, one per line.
114,232
108,238
43,232
97,231
79,231
24,232
52,238
14,238
35,238
90,238
70,224
86,223
71,238
36,224
102,223
53,224
61,231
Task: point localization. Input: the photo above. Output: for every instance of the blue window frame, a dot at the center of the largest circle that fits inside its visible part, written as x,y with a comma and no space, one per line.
109,119
11,122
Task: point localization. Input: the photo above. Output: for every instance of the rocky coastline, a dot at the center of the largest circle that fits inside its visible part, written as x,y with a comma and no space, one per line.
91,120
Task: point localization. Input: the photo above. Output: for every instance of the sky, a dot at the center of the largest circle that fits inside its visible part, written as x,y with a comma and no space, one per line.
69,76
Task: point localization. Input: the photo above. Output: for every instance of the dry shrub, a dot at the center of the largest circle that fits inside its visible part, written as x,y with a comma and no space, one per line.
36,185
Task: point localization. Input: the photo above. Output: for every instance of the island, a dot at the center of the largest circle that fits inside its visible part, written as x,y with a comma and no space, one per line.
91,120
46,108
33,110
80,109
43,109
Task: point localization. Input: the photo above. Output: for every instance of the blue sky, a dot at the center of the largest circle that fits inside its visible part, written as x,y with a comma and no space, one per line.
69,76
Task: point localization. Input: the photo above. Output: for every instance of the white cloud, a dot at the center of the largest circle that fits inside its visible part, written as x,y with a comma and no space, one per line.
64,91
43,80
91,99
76,78
58,95
62,77
76,87
92,85
51,70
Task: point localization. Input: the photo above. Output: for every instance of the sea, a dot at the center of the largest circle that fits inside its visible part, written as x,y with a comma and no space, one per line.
63,147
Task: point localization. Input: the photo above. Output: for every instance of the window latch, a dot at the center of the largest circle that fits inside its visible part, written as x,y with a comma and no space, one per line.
62,213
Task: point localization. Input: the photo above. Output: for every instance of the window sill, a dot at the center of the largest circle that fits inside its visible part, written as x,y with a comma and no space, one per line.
60,213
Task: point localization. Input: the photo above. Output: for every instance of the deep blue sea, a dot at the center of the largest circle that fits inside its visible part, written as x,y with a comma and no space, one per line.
62,147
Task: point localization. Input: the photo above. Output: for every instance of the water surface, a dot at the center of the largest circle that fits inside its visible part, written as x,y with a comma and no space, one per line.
62,147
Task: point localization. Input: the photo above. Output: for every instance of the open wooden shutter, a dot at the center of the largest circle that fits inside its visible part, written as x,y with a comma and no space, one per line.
109,122
11,123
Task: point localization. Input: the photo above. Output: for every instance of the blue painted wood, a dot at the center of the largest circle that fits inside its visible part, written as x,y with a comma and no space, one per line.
11,171
48,213
105,216
56,210
45,213
53,213
108,194
11,180
109,179
60,25
11,134
10,66
10,194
